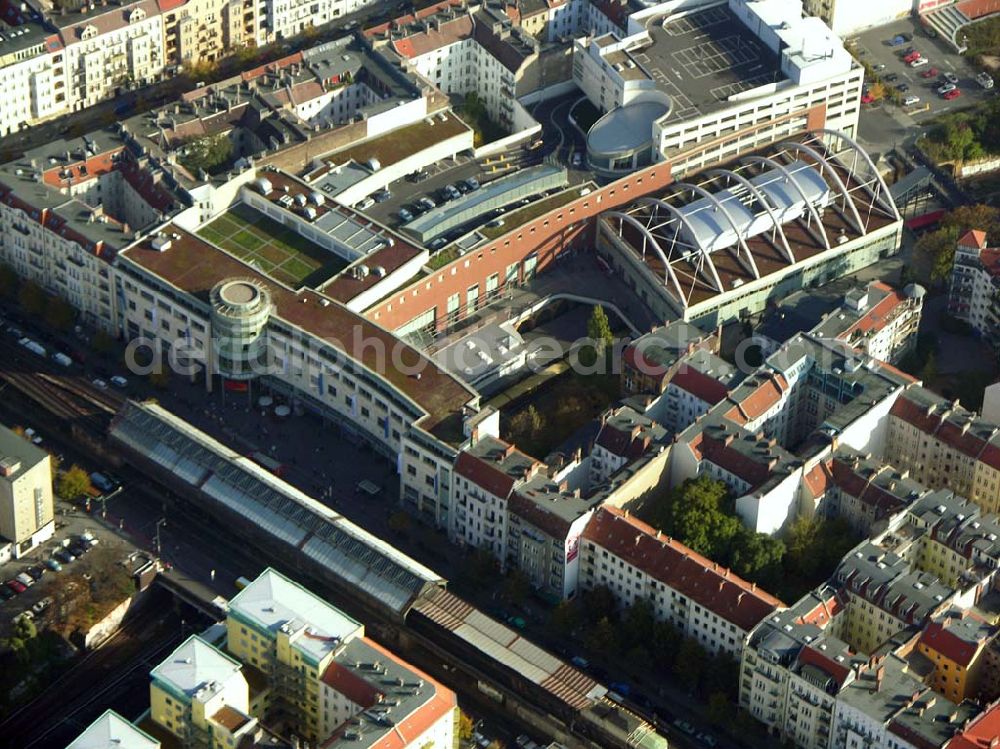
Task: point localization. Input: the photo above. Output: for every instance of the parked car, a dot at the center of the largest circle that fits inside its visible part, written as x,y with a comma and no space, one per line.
910,58
53,565
577,159
405,214
437,243
103,482
880,66
953,94
903,88
119,382
78,550
462,187
919,62
64,556
364,204
985,80
945,88
17,586
25,579
707,739
930,73
621,687
451,192
891,78
6,593
867,98
950,77
89,539
684,727
472,183
897,41
909,101
579,661
100,384
41,605
381,196
426,203
37,572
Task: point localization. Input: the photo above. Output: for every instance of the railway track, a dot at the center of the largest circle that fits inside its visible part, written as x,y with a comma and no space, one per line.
67,397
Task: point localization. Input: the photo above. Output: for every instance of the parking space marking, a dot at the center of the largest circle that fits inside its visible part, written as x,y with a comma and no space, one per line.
695,22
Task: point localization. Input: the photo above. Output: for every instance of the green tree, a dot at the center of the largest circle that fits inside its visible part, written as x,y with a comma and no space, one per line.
8,281
638,624
756,557
159,378
399,522
690,663
31,298
666,643
602,638
465,727
599,327
598,603
102,343
211,153
700,520
73,483
720,709
526,425
516,587
564,618
59,314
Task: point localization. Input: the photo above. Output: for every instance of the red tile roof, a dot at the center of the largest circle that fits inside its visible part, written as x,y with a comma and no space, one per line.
990,259
344,681
448,32
819,479
883,502
941,640
823,613
430,10
978,8
973,238
755,470
968,443
700,385
981,730
877,316
407,730
484,475
674,564
556,526
837,671
767,394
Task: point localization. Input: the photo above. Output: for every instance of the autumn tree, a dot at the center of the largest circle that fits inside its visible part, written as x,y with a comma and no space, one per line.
73,483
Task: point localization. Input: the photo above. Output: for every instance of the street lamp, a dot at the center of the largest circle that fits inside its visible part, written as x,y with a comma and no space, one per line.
159,524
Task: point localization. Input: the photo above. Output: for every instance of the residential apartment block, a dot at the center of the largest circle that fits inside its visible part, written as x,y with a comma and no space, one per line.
699,598
32,74
286,660
889,652
973,295
26,510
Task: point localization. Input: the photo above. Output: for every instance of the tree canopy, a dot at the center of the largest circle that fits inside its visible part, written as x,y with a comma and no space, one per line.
73,483
938,246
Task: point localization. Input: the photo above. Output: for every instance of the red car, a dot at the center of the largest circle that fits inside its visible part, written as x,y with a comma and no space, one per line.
914,55
953,94
930,73
867,98
15,586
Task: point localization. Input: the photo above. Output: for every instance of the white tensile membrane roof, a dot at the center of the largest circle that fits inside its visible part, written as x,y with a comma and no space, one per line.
705,228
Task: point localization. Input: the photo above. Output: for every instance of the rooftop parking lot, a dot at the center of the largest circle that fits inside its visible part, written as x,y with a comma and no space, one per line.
703,58
873,48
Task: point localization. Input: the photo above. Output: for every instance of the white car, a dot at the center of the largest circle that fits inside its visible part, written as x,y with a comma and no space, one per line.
119,382
950,77
97,382
919,62
909,101
946,88
364,205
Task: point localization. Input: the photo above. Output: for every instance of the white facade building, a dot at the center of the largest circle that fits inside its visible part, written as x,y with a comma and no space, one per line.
698,597
110,49
32,77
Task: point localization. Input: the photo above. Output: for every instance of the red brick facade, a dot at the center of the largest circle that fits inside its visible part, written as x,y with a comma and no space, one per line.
562,229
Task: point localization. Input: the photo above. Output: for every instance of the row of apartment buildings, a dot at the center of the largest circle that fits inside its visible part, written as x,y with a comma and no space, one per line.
284,668
899,649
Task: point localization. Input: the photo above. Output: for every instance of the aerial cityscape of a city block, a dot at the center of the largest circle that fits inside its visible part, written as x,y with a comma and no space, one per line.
499,374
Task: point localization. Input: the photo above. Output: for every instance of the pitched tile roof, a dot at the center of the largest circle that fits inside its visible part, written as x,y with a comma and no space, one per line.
973,238
980,732
674,564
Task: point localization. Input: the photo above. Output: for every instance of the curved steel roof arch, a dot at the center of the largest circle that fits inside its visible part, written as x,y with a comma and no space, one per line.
669,271
767,161
732,224
760,199
859,151
706,256
825,166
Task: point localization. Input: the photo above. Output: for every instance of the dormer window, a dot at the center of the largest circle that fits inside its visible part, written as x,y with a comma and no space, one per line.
137,14
89,32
